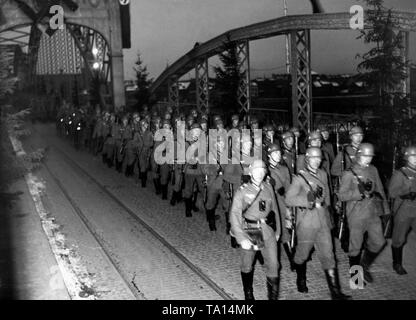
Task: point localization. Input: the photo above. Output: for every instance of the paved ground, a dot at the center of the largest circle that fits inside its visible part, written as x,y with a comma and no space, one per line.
209,251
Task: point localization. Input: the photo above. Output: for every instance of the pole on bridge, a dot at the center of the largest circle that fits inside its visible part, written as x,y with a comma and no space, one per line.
301,79
202,84
404,52
244,94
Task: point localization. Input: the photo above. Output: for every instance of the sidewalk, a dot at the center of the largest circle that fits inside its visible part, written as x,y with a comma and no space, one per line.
28,269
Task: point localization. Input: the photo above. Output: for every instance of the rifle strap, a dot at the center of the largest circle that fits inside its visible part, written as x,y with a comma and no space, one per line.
307,182
358,178
252,202
404,173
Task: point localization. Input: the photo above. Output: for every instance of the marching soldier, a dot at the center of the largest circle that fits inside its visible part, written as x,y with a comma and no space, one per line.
193,173
363,192
289,152
131,146
402,189
326,144
165,168
144,140
309,192
268,140
124,136
255,223
347,155
280,179
109,144
153,165
235,120
177,175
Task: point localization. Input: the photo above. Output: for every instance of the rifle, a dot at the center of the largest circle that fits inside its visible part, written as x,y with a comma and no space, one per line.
391,201
294,210
342,206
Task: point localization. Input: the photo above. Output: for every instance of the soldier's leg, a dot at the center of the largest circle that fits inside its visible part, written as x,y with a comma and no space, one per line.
177,186
400,229
213,192
164,180
197,203
247,272
375,243
272,266
187,193
229,191
306,237
142,160
155,168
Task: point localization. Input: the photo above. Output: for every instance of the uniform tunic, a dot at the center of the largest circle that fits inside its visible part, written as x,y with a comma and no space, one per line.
144,142
363,214
401,185
348,154
313,225
242,199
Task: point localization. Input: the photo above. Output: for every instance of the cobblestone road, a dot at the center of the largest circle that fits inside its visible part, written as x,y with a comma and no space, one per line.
211,251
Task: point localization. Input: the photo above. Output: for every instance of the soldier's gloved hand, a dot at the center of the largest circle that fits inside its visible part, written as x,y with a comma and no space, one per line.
281,191
246,244
311,199
361,188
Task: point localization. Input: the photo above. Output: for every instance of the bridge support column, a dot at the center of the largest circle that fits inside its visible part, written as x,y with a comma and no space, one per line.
301,79
202,85
173,93
243,94
404,52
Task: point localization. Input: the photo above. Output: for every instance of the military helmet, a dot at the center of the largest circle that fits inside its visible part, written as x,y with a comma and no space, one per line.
157,118
136,115
254,120
356,130
410,151
314,135
288,134
165,122
235,117
204,116
167,116
365,149
256,165
322,128
313,152
143,121
268,127
190,118
203,120
196,125
294,129
272,148
154,114
216,118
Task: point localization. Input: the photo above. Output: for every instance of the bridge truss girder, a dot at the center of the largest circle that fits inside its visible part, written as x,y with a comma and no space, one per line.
173,91
243,92
301,79
202,84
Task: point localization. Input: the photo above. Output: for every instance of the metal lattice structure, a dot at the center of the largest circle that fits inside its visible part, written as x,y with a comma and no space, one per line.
94,49
202,84
243,94
173,92
301,79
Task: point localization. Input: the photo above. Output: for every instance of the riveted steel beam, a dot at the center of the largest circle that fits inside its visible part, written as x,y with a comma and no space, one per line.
301,79
243,94
173,92
202,84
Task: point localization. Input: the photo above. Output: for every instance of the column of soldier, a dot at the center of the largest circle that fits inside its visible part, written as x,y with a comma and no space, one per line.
300,194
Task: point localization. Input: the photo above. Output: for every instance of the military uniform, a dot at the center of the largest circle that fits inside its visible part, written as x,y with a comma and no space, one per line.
348,155
144,148
363,213
289,157
125,135
313,225
280,180
252,207
401,187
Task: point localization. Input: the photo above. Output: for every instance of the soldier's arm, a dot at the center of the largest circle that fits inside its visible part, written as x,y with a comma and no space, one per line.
295,195
275,209
348,190
399,185
380,190
336,165
328,191
236,217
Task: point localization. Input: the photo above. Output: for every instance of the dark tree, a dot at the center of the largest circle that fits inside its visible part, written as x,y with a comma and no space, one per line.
228,79
143,83
384,70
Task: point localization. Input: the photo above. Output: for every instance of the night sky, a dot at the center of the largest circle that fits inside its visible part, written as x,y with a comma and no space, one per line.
164,30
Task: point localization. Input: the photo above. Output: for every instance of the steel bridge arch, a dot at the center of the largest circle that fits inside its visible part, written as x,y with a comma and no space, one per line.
298,27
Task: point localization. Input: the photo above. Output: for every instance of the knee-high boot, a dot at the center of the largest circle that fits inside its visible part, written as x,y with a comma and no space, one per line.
273,288
333,285
301,277
247,279
397,260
